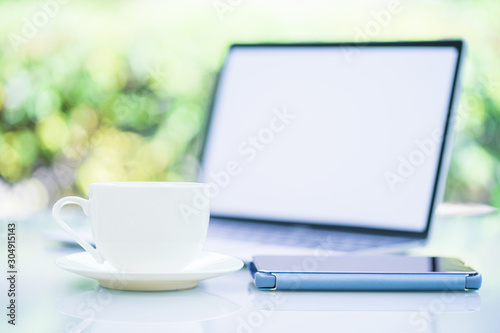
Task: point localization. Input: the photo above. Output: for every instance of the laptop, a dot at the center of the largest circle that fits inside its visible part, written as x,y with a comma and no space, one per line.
329,148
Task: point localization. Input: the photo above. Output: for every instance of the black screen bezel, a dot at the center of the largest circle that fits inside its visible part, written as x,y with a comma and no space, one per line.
457,44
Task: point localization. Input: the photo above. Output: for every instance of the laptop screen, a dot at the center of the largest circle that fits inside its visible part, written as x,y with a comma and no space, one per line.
329,134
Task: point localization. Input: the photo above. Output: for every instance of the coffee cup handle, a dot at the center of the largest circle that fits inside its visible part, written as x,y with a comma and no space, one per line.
85,205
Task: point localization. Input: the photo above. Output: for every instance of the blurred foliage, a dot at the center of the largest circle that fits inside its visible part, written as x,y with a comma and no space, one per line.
100,91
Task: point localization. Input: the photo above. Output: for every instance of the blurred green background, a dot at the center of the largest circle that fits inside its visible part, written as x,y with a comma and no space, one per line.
118,90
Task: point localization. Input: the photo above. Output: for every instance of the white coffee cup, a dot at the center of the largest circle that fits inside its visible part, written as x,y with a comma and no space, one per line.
143,226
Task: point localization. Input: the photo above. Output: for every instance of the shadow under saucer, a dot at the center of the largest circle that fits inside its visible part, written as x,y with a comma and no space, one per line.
106,310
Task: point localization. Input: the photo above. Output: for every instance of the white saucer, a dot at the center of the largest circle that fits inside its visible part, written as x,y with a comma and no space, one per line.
207,265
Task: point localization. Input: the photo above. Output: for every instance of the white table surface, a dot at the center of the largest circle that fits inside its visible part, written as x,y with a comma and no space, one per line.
50,299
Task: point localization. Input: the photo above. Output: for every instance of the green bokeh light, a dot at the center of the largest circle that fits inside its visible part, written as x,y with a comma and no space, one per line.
119,90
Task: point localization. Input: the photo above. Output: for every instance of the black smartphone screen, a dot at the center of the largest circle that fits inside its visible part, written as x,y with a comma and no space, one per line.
359,264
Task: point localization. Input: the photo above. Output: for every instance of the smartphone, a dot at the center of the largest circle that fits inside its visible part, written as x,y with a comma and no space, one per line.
389,272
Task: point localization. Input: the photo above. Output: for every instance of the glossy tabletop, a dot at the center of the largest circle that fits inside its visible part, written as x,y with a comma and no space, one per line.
49,299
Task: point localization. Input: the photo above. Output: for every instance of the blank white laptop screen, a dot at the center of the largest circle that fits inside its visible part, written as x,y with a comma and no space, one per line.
320,135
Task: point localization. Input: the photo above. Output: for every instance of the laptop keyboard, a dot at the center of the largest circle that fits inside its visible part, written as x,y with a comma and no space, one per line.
298,236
